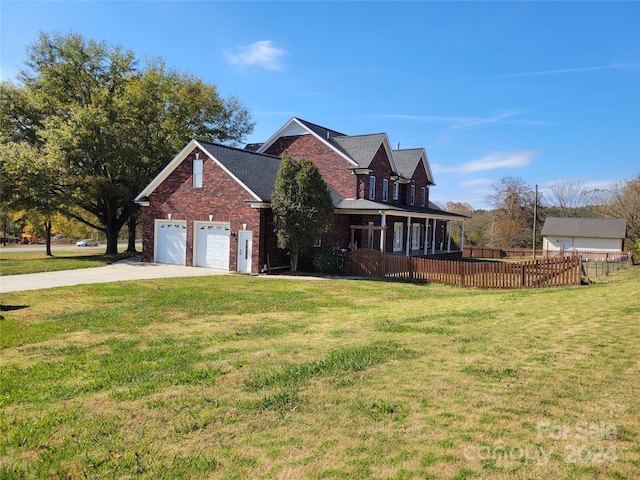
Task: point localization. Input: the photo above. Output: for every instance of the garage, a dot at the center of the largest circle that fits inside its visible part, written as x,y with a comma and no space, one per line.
171,242
212,243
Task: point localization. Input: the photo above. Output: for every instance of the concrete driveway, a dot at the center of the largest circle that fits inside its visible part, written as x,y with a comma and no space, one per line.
129,269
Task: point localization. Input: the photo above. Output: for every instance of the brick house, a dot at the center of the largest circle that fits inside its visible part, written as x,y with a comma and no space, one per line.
210,206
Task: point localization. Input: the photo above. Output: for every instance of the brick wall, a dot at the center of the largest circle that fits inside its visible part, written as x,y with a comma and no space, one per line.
220,199
335,170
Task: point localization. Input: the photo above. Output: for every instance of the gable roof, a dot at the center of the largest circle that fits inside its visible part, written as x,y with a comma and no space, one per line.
408,160
358,150
585,227
255,172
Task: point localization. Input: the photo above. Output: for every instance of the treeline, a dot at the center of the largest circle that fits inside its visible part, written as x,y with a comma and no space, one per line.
509,224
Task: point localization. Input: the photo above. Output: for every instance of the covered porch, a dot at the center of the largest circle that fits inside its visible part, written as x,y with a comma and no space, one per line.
415,232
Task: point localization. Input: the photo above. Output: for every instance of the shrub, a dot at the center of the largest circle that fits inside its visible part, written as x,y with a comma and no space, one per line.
328,259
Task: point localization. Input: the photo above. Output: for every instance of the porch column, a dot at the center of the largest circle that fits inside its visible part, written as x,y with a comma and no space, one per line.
449,239
462,237
383,224
433,239
408,236
426,238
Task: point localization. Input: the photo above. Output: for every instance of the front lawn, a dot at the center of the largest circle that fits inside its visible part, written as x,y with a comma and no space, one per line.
30,261
238,377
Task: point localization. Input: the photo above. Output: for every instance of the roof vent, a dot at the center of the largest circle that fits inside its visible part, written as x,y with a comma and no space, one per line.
327,134
398,146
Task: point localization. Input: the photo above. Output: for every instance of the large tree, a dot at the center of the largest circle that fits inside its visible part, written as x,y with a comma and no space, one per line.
302,206
513,201
109,123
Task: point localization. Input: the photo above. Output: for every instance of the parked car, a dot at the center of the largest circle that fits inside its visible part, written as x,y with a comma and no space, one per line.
87,242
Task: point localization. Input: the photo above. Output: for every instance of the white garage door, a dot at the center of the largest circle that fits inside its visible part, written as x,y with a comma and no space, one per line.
212,245
171,242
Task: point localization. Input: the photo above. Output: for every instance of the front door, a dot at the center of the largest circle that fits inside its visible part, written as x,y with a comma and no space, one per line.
245,240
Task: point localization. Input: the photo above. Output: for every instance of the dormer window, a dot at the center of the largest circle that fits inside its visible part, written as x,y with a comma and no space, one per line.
412,200
197,172
372,188
385,189
396,190
423,202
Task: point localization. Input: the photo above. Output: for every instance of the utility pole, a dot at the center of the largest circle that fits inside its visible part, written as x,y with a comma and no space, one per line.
535,219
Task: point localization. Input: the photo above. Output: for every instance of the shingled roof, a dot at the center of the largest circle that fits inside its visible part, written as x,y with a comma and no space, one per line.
256,171
585,227
360,148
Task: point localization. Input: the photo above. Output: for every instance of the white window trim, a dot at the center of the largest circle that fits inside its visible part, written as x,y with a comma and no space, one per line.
372,187
385,189
424,196
396,190
412,200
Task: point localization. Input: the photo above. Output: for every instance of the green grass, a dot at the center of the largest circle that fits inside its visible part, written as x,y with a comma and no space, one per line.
242,377
29,261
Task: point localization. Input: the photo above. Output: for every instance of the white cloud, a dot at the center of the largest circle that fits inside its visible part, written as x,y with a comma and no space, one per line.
262,54
467,123
476,182
492,161
561,71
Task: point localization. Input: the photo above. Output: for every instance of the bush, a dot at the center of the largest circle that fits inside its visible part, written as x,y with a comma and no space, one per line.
636,253
328,259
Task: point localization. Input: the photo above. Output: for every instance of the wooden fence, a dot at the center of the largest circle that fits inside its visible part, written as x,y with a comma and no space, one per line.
530,274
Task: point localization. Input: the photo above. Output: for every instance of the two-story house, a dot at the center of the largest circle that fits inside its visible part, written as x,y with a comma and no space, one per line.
210,206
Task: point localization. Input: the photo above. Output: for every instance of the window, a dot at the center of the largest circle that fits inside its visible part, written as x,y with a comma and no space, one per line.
197,173
398,227
385,189
413,195
396,190
424,197
372,188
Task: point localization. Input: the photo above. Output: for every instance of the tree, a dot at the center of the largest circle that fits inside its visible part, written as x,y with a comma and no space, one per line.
472,229
110,125
302,206
569,197
33,183
513,201
622,200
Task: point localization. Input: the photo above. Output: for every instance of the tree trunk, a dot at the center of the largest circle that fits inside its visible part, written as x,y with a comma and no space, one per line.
294,261
47,227
132,224
112,239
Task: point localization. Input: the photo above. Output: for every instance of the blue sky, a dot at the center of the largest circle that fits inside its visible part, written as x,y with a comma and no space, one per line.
544,91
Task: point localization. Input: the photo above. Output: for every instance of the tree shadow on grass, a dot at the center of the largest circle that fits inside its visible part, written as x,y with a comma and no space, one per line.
9,308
